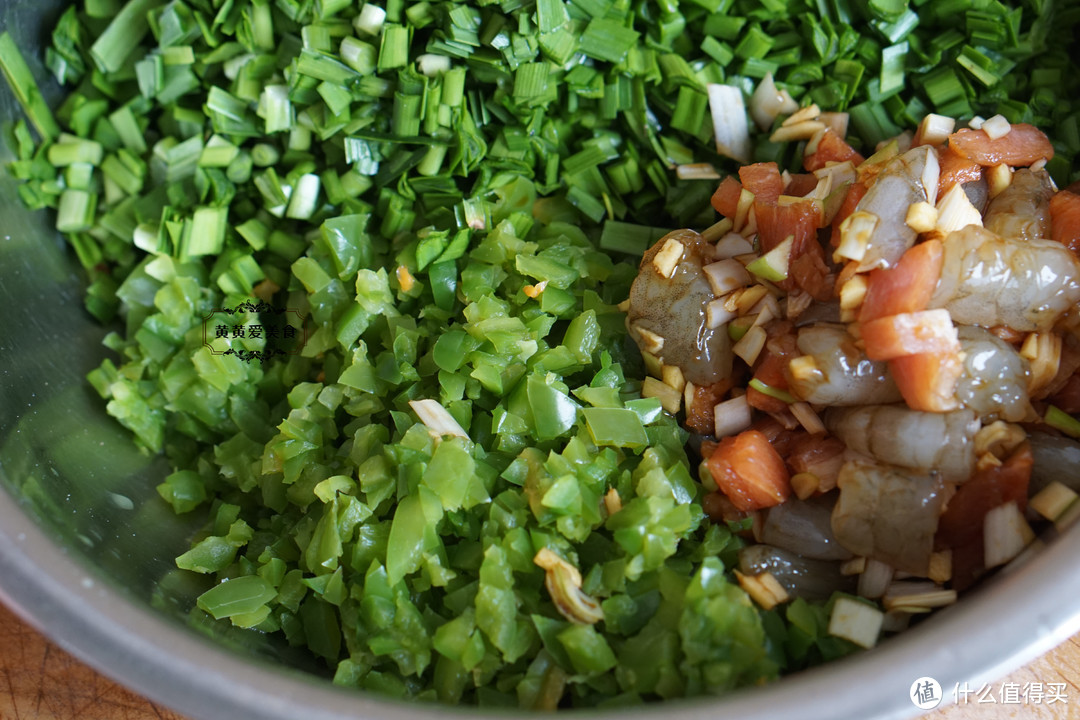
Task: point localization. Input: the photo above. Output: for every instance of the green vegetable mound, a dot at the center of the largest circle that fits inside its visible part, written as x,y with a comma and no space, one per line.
448,200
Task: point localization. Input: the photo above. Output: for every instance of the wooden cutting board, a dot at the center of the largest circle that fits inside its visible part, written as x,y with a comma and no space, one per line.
39,681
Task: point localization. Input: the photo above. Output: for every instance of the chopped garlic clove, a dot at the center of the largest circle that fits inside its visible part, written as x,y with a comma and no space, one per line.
668,258
764,589
996,127
437,419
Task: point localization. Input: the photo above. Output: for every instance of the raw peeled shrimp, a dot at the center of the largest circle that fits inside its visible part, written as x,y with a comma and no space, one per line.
671,312
1022,210
888,513
995,378
840,373
803,526
897,186
897,435
808,579
989,280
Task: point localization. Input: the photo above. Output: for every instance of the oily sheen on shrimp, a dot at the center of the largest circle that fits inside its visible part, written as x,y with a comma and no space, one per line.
988,280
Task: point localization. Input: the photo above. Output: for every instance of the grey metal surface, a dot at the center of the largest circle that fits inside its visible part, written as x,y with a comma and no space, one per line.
86,547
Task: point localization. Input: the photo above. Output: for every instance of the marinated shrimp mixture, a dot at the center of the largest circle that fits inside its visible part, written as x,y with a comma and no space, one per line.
883,356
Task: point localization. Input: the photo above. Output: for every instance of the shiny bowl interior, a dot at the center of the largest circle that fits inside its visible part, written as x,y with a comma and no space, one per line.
87,547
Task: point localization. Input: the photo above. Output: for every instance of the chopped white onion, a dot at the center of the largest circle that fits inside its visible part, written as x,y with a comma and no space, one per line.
730,129
930,176
875,579
750,345
731,245
807,418
732,416
726,275
716,314
768,102
955,211
1005,534
835,121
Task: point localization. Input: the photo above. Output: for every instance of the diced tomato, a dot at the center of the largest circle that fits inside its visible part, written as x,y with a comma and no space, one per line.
907,286
781,347
831,148
726,198
778,435
749,471
770,371
810,272
762,179
1068,397
810,452
956,169
894,336
1023,145
961,525
1065,219
699,416
717,506
801,184
851,201
776,222
765,403
928,381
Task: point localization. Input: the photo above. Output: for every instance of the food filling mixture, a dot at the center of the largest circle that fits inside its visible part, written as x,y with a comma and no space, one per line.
399,289
875,403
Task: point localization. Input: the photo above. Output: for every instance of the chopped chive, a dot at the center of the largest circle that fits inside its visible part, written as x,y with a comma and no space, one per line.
892,67
75,212
608,40
979,65
1063,421
754,45
394,48
204,234
305,197
358,55
276,109
119,40
324,67
69,149
26,90
218,152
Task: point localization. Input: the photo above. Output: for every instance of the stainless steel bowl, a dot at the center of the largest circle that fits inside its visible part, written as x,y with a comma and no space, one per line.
87,548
